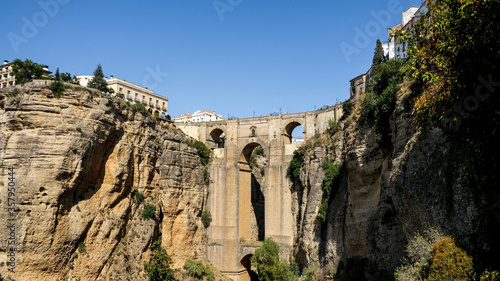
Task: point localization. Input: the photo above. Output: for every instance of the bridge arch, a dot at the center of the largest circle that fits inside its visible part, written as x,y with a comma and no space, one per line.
289,130
251,198
246,271
217,138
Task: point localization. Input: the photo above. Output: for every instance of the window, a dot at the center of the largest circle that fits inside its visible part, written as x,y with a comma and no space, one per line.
143,98
120,90
253,131
136,97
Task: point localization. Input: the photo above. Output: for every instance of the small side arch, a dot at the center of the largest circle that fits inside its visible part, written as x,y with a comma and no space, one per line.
289,130
246,268
218,138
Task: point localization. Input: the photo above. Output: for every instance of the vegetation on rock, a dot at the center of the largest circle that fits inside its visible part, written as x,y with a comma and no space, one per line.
293,170
203,150
449,262
197,269
98,82
159,268
149,211
26,71
138,197
332,172
57,87
267,261
206,218
380,98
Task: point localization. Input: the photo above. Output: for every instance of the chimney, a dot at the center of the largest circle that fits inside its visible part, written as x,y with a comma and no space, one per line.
5,62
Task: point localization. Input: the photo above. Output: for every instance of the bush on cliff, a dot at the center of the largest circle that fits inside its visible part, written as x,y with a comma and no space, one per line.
197,269
332,172
293,170
206,218
449,262
203,150
380,98
139,107
149,211
267,261
159,268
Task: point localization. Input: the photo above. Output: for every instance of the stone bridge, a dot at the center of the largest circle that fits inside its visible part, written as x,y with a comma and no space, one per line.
243,211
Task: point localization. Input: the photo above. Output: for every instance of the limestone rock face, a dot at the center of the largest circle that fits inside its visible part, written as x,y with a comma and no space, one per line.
78,161
386,196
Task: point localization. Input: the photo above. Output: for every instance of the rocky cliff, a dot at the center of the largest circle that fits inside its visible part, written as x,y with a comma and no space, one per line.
81,164
384,196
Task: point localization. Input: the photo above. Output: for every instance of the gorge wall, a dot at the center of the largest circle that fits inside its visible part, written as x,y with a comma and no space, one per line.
78,162
385,195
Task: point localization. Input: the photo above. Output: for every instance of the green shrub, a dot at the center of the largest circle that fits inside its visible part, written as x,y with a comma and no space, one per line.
206,176
197,269
293,170
317,143
81,247
267,261
57,88
449,262
309,272
159,269
78,129
139,197
347,108
416,265
206,218
259,150
333,127
149,211
139,107
203,150
332,172
120,95
380,98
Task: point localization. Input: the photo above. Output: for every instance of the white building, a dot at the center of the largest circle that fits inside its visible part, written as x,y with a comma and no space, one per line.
394,48
7,78
297,140
133,93
199,116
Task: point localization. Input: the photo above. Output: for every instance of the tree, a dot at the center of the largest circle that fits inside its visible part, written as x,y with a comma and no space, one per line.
26,71
267,261
66,77
57,75
57,86
378,57
159,268
98,81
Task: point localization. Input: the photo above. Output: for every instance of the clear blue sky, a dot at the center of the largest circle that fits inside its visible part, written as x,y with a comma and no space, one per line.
234,57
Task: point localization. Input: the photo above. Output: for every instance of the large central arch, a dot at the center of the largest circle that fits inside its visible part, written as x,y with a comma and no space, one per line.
251,221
